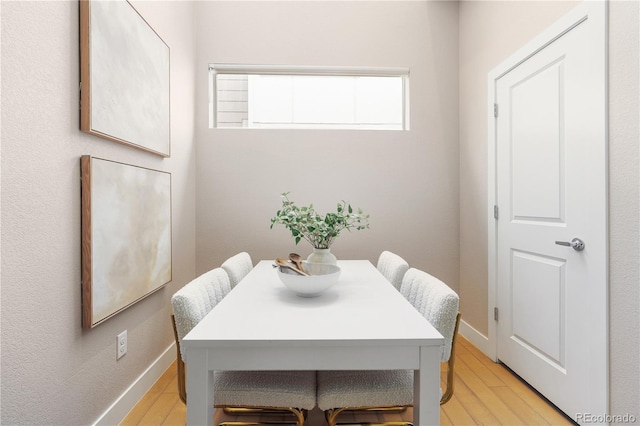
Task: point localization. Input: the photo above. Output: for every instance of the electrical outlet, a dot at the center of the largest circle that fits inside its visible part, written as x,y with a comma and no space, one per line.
121,344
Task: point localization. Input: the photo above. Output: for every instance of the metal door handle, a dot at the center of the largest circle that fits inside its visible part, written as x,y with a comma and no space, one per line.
577,244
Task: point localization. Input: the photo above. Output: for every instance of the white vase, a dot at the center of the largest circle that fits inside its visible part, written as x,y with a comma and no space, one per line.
322,256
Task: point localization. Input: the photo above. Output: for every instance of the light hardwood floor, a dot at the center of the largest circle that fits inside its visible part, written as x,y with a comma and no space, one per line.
485,393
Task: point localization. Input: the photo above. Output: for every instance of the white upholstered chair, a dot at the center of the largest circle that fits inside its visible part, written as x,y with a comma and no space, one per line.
292,391
340,391
237,267
393,267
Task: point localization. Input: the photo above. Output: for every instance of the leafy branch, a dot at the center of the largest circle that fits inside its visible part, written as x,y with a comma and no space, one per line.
320,231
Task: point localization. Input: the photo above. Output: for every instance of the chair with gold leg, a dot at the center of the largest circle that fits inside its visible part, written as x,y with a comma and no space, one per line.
393,267
237,267
340,391
290,391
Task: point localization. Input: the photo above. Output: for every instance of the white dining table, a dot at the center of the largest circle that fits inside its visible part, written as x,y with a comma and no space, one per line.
361,323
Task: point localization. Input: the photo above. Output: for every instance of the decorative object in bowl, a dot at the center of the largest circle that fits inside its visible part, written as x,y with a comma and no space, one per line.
321,277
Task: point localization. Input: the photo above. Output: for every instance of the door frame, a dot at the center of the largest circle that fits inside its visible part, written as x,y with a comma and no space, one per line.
595,11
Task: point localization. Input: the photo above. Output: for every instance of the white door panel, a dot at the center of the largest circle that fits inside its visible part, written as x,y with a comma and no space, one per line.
537,144
538,305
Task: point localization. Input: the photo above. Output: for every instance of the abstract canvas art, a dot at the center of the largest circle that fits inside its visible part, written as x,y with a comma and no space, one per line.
124,77
126,236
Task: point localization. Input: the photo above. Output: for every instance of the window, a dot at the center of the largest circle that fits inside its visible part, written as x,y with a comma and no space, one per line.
308,98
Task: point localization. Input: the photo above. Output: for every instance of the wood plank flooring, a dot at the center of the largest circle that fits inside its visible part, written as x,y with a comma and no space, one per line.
485,393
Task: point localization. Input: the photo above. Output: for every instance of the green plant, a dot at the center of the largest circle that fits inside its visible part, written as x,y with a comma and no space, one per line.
320,231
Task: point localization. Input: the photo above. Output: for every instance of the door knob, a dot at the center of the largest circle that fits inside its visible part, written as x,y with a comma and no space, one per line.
577,244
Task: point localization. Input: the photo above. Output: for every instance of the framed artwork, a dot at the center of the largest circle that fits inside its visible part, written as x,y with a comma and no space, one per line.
126,236
124,77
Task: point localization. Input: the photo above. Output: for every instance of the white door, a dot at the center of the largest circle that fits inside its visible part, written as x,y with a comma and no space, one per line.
551,223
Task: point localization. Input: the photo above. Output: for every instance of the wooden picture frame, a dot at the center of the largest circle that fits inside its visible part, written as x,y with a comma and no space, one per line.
126,236
124,77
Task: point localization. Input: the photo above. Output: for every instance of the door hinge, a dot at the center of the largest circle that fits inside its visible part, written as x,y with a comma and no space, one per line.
495,212
495,110
495,314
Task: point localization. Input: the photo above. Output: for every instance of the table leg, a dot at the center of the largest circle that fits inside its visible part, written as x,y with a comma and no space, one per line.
426,388
199,389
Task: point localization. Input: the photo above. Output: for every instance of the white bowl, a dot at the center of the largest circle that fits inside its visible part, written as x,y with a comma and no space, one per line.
321,277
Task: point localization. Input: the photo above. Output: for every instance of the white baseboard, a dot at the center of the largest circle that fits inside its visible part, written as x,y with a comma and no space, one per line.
125,402
476,338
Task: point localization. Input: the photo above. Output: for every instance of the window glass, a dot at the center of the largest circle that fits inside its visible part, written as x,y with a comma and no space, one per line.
298,98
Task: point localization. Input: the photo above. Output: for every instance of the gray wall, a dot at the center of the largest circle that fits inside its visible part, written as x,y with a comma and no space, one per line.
406,181
624,207
53,371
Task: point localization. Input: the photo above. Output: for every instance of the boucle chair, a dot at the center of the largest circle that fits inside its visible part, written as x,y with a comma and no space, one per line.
340,391
237,267
292,391
393,267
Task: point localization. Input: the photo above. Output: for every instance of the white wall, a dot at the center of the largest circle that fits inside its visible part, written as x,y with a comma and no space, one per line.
484,26
624,206
406,181
53,371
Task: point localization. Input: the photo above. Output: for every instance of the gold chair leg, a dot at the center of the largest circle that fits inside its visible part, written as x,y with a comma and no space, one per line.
239,411
332,416
375,424
299,414
241,423
448,393
399,409
182,386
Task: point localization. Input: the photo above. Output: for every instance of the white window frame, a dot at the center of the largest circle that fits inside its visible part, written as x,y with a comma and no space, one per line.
215,69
